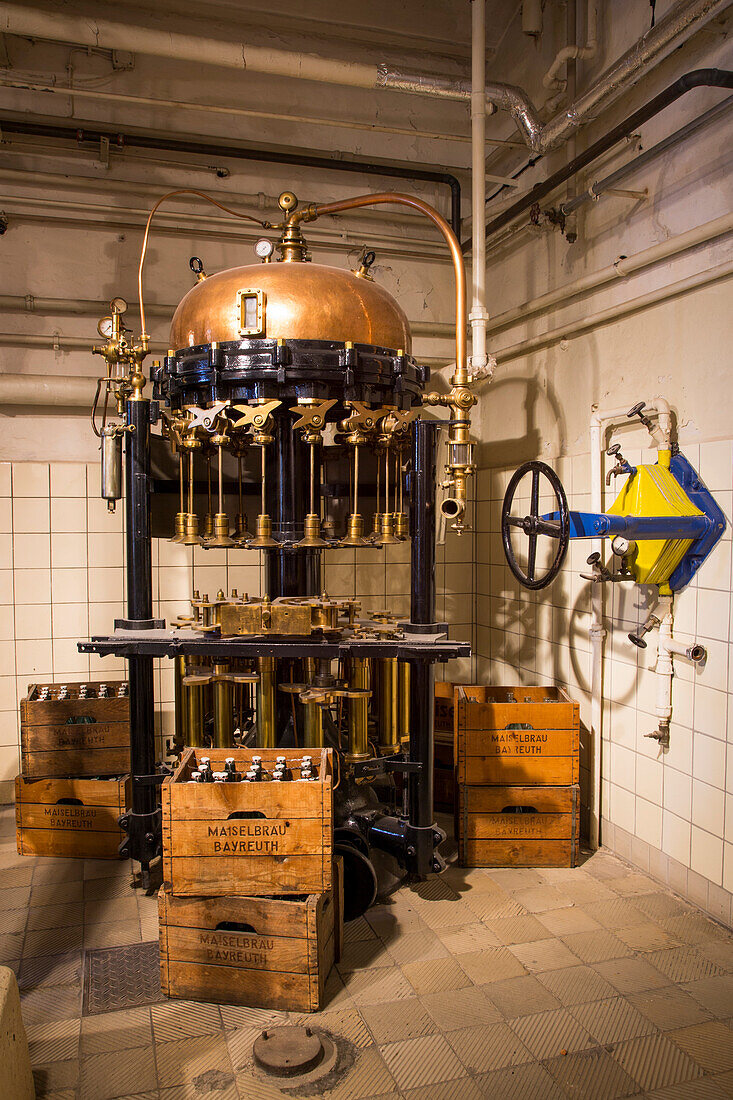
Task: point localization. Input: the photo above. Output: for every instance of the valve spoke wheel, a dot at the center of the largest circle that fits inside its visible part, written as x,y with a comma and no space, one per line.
535,526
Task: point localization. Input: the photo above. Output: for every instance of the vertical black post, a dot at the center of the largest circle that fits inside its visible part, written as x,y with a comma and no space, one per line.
290,572
422,611
141,822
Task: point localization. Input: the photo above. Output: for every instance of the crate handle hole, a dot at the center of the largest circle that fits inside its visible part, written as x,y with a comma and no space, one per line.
519,810
234,926
519,726
239,815
69,802
80,720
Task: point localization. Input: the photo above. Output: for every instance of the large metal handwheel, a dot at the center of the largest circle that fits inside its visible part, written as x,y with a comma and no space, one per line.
533,525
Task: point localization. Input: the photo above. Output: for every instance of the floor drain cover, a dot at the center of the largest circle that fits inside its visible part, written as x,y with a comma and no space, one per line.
288,1051
121,977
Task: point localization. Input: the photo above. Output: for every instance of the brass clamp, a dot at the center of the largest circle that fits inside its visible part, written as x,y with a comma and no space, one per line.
312,414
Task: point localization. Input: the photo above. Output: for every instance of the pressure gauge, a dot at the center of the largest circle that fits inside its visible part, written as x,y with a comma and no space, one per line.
264,248
118,305
622,546
104,327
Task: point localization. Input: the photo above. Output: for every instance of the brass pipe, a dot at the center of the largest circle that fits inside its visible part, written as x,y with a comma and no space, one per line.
315,210
359,711
404,702
181,715
388,705
266,732
223,708
195,715
312,712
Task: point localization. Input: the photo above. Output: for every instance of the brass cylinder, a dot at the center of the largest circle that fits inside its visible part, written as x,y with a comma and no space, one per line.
266,732
358,711
404,703
181,709
388,705
223,708
312,712
195,715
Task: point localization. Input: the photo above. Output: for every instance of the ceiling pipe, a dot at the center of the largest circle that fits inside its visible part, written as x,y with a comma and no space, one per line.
478,316
135,139
676,27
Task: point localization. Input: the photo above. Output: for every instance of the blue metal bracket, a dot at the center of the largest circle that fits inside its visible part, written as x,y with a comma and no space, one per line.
688,478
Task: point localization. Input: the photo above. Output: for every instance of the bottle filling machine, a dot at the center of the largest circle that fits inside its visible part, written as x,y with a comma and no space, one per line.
272,368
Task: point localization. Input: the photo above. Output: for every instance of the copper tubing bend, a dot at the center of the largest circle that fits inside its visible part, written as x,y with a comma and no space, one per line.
310,213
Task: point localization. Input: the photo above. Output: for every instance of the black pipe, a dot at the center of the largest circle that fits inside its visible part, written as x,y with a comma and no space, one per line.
421,859
290,572
600,186
141,821
422,522
337,163
698,78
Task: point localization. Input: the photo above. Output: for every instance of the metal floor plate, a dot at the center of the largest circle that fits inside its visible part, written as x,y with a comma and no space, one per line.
121,977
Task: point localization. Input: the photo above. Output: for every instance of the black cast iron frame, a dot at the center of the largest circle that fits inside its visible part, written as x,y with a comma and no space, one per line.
412,837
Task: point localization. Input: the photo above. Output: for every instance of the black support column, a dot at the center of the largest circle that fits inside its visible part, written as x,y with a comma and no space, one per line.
423,832
142,821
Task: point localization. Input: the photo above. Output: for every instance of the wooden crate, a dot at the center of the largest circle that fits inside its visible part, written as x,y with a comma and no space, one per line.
74,736
444,766
534,740
263,952
249,839
74,818
518,826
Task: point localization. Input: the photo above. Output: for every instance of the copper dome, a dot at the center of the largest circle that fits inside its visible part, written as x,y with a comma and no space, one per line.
298,301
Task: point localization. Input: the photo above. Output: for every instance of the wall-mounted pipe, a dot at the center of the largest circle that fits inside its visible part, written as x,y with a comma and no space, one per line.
478,316
676,27
599,187
33,303
574,52
698,78
621,269
138,140
614,313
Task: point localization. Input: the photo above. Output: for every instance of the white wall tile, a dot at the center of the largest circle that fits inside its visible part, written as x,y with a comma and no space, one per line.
708,807
69,585
707,855
32,621
31,515
716,464
32,551
31,479
68,479
708,760
69,550
69,514
713,613
5,479
676,837
32,586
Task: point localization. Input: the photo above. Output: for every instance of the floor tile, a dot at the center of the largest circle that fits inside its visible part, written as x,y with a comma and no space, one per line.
702,1088
54,1040
520,996
53,1077
414,947
561,922
616,913
527,1081
104,1076
116,1031
447,914
594,947
488,907
683,964
434,975
63,969
52,941
181,1062
492,964
632,884
522,929
612,1021
654,1062
363,954
467,1007
472,937
378,985
715,994
55,916
45,1003
631,975
548,1034
647,937
398,1020
661,905
669,1007
548,954
369,1077
174,1019
462,1089
591,1074
423,1061
493,1046
538,899
58,893
576,985
710,1045
693,928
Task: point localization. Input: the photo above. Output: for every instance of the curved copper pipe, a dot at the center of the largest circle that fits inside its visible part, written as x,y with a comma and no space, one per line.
460,378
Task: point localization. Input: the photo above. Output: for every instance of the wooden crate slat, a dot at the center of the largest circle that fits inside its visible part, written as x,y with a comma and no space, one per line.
235,950
248,838
561,771
526,853
491,833
73,818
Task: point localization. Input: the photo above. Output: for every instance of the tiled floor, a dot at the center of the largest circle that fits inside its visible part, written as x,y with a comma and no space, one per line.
591,983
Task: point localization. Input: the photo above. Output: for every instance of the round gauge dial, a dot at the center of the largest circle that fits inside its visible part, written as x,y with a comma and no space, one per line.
118,305
104,327
264,248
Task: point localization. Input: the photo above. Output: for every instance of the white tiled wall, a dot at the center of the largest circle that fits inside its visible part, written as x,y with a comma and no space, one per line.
670,810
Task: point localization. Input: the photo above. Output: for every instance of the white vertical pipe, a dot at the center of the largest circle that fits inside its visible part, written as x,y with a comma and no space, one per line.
478,317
